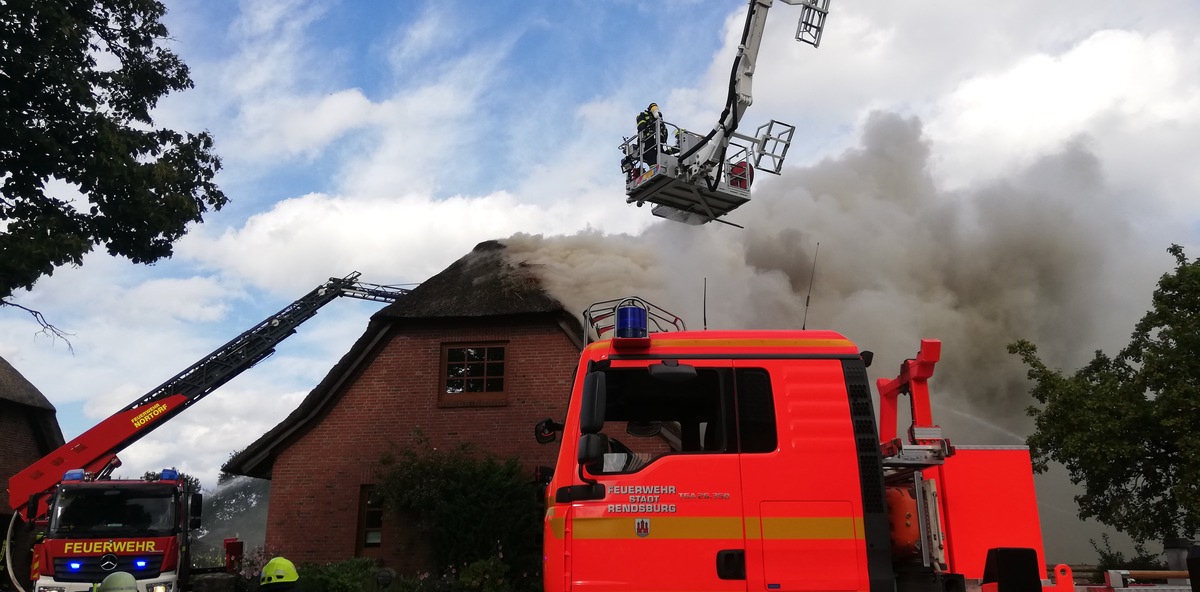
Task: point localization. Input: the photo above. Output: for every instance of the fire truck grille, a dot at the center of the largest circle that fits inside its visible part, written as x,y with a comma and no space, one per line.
90,569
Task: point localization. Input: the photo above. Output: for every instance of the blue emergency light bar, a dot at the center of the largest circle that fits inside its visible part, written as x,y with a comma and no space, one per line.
140,564
75,565
169,475
73,475
631,322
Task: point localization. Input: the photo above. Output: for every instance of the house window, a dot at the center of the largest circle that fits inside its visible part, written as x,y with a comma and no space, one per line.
370,523
473,374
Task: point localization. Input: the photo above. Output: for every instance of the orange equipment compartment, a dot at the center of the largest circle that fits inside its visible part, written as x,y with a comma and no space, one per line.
902,521
988,500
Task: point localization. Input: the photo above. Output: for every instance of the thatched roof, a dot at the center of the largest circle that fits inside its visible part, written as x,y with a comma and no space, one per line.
15,388
481,285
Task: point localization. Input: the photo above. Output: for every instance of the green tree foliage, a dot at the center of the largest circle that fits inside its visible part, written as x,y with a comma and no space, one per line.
471,509
79,79
1125,427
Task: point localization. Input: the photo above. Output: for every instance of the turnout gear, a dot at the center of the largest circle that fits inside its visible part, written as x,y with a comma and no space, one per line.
652,133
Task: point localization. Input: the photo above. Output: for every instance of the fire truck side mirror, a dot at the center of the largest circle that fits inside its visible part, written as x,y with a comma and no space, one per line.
592,448
544,431
591,411
195,508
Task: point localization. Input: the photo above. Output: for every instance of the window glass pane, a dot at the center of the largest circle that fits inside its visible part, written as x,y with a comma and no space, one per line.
646,418
374,500
374,519
756,411
474,369
373,538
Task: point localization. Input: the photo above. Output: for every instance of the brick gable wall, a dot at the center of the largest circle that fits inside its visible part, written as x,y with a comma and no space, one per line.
316,480
18,442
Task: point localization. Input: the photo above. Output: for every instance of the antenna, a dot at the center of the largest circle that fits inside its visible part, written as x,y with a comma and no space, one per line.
811,275
704,306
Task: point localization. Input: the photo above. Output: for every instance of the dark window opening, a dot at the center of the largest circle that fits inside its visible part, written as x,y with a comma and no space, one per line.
370,525
473,373
646,419
756,411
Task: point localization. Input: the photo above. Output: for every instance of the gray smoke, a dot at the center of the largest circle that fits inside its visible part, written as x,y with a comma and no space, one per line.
1048,254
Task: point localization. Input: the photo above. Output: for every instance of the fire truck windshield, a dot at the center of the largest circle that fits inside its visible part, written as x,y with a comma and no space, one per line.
113,510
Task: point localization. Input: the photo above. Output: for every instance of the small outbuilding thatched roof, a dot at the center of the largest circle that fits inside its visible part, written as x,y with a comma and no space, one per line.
483,283
15,388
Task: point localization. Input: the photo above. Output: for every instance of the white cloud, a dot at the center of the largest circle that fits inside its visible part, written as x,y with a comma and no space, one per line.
1112,81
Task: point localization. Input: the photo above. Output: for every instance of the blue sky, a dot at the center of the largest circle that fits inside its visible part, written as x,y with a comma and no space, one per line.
391,137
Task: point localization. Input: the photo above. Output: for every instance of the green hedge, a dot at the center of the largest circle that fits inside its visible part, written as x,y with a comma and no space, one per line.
480,515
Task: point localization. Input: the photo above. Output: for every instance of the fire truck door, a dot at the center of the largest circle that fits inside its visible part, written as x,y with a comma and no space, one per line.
671,515
799,477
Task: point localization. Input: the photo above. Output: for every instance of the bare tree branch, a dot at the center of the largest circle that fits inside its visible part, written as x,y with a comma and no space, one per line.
47,327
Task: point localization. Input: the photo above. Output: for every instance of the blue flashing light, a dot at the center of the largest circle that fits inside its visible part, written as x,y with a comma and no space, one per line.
73,475
631,322
140,563
169,475
75,565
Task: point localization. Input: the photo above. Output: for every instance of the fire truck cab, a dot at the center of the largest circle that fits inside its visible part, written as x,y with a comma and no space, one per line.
750,460
98,526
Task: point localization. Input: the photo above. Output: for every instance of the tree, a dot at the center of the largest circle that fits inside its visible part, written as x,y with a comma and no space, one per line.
1125,427
78,80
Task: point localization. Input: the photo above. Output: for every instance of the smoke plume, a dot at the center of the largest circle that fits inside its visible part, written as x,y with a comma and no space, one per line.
1046,253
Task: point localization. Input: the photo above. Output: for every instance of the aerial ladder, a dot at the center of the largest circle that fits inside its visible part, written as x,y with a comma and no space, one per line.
702,178
95,451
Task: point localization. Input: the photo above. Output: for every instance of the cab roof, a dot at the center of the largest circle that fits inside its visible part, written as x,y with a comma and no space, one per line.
740,343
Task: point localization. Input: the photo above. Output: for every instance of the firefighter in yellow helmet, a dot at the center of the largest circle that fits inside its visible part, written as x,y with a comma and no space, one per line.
118,581
652,133
277,575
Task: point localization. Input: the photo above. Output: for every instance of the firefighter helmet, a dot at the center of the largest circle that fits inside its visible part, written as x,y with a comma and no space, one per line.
118,581
278,570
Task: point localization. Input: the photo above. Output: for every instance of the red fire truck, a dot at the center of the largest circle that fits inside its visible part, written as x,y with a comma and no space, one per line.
750,460
90,525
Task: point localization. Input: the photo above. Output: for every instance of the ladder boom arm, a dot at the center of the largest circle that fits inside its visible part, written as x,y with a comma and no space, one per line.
96,447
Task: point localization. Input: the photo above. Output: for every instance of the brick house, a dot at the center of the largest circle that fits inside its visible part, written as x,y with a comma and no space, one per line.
29,430
478,353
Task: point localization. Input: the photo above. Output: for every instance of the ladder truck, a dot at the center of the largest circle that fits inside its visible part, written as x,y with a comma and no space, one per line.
703,177
90,524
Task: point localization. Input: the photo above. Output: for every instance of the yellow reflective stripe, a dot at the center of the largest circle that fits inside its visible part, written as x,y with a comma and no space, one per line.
557,527
661,527
796,528
812,527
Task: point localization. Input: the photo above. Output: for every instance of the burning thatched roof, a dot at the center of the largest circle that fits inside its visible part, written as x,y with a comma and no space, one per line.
483,284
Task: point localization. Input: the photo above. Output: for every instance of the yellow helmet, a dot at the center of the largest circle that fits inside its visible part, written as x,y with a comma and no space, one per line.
278,570
118,581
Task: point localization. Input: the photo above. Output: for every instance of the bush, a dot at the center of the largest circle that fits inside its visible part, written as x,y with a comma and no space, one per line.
477,512
350,575
1110,559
